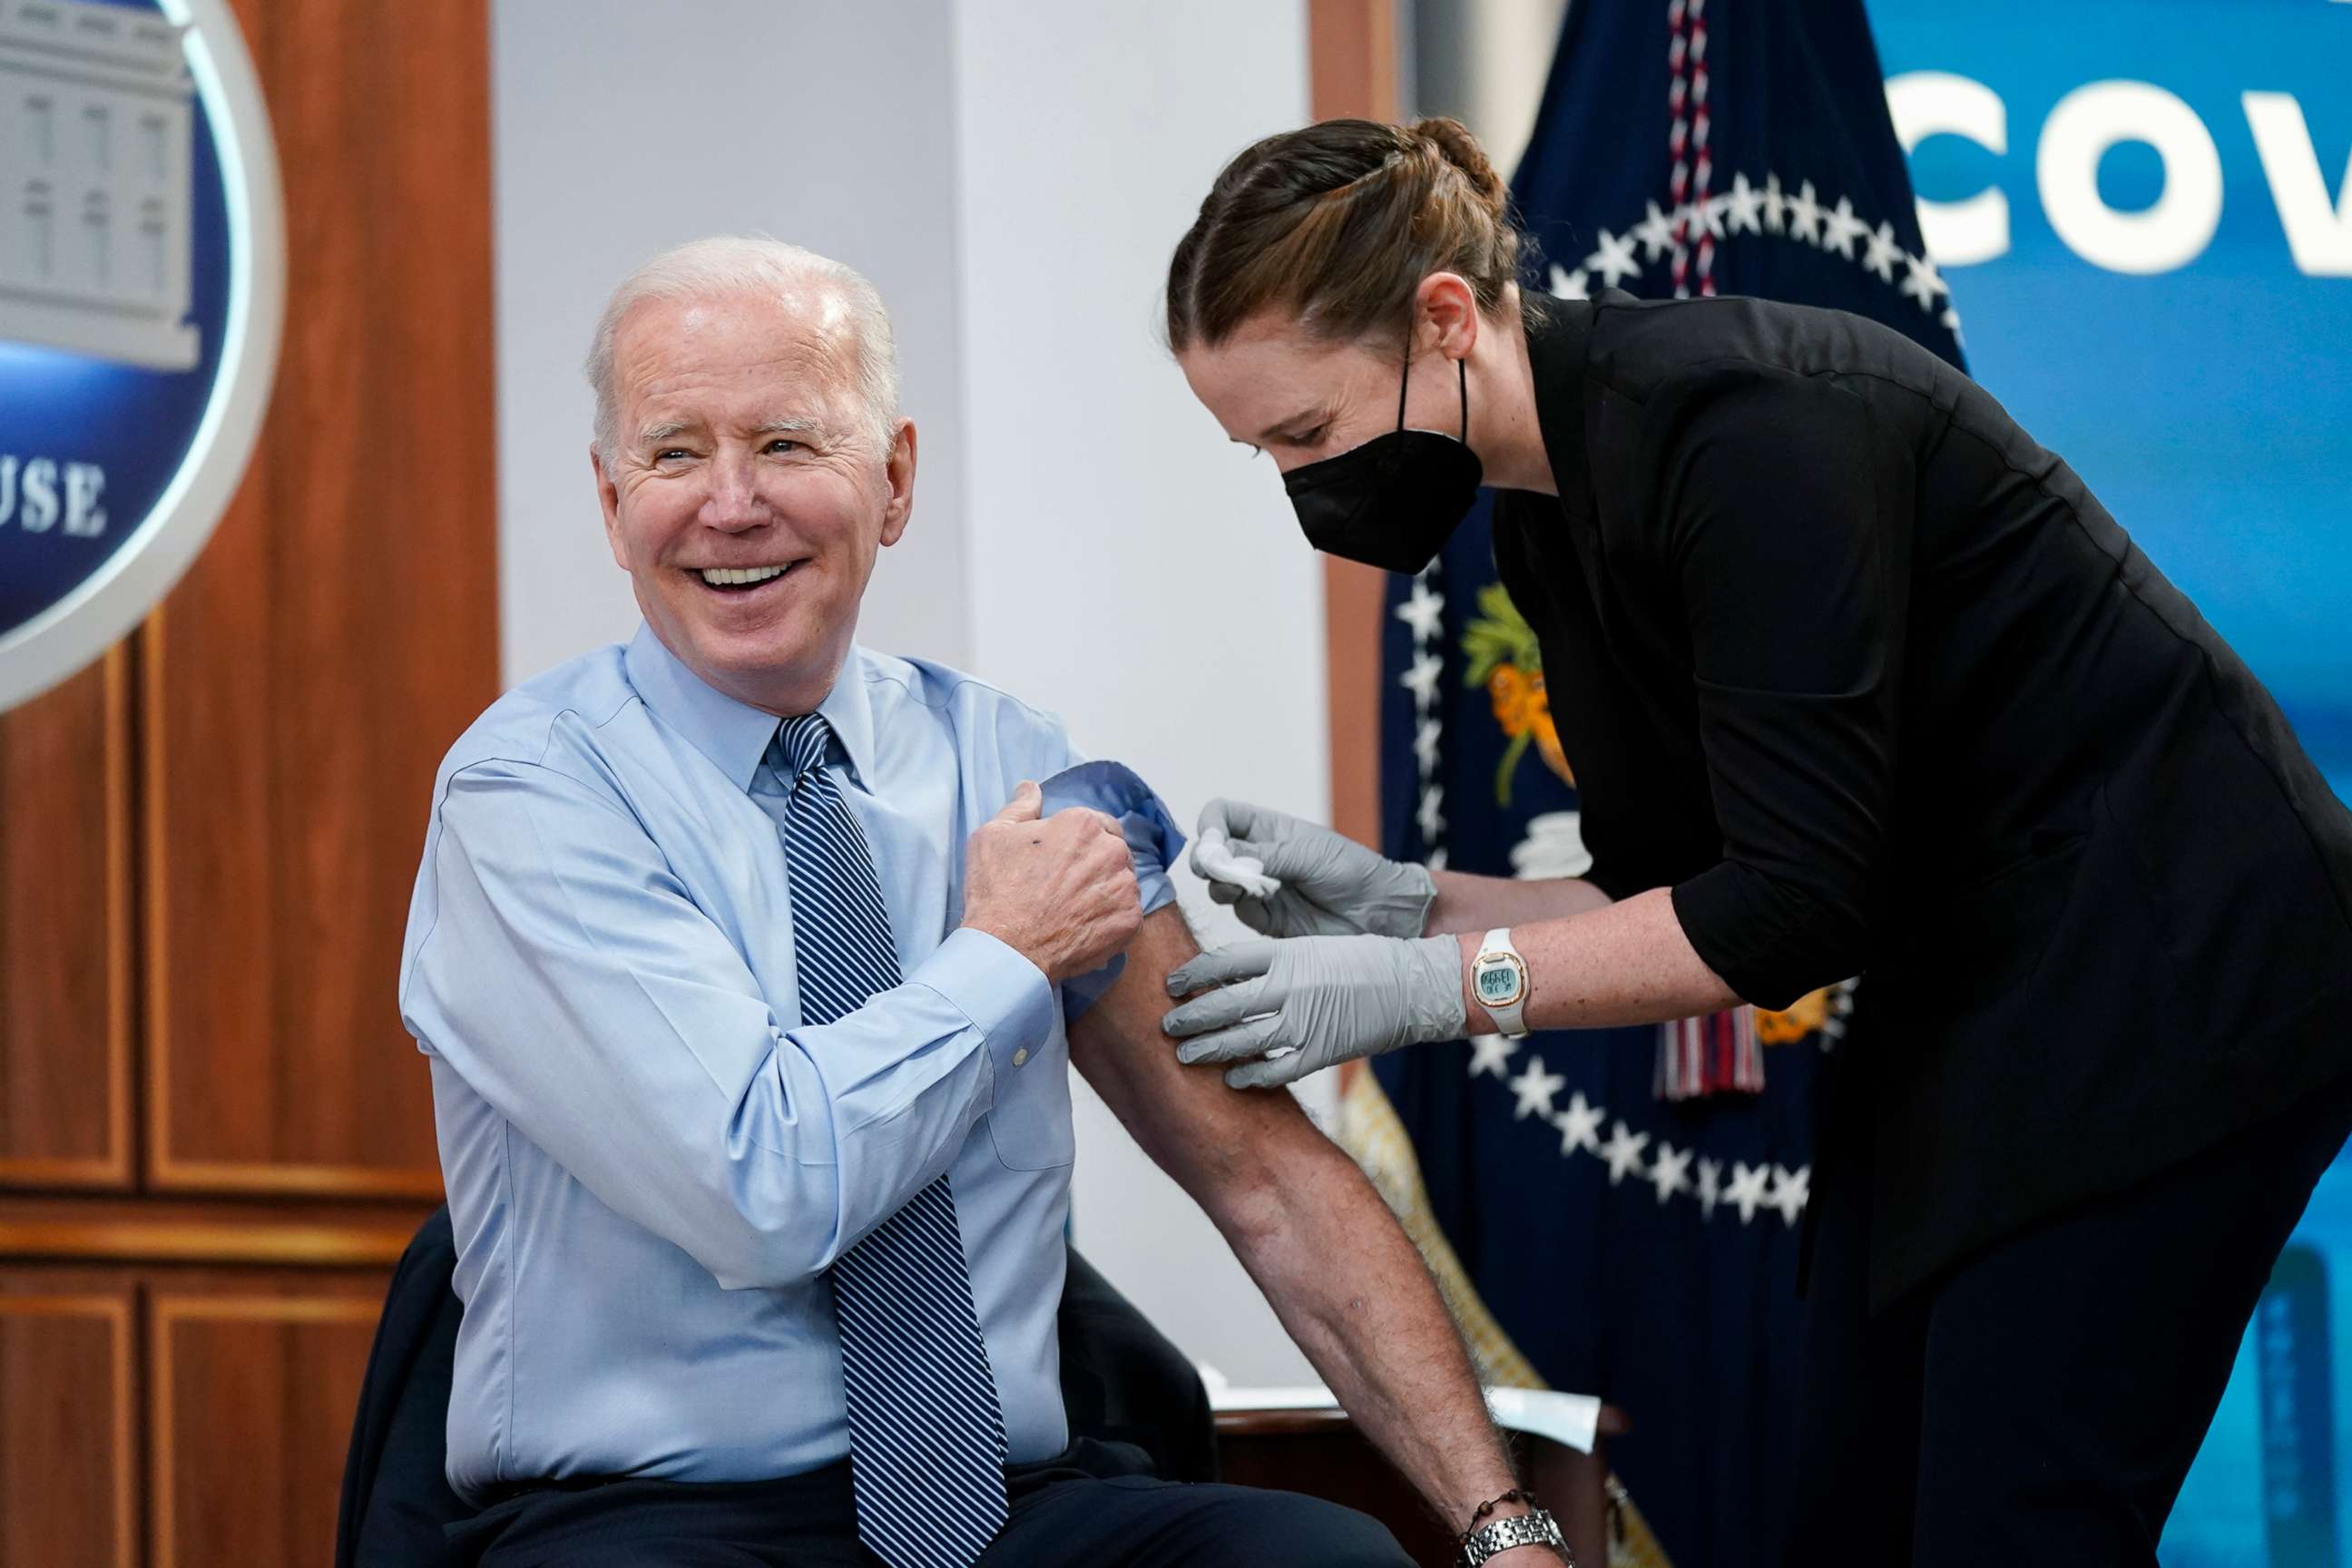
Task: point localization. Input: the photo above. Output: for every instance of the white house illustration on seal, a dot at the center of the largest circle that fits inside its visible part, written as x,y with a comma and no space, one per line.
95,144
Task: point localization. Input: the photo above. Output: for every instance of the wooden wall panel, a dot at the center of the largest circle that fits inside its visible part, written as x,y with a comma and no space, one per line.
1352,71
68,1463
336,635
254,1381
65,934
215,1136
316,1234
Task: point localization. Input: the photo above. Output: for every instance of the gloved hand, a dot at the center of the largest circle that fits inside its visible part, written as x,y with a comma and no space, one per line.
1325,999
1331,885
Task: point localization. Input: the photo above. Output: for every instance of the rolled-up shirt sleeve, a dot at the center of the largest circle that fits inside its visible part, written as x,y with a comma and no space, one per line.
1788,527
1153,843
570,980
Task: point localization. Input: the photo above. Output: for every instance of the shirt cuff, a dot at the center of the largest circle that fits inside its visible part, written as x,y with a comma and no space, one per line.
1008,999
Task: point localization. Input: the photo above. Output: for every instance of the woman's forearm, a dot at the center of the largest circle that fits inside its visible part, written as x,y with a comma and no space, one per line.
1621,964
1478,904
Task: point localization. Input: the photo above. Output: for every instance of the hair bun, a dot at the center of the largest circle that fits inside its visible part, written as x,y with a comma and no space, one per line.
1336,225
1453,142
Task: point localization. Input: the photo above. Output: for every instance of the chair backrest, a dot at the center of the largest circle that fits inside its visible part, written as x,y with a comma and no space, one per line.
1122,1381
396,1496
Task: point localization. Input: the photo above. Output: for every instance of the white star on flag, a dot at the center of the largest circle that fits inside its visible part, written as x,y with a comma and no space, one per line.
1623,1151
1614,260
1789,1191
1805,216
1422,679
1710,1188
1491,1054
1706,215
1776,205
1742,206
1656,233
1922,282
1747,1189
1567,285
1841,229
1580,1126
1535,1088
1884,253
1422,610
1424,743
1670,1173
1430,817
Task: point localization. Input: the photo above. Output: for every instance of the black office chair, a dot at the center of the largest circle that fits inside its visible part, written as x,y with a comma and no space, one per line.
1121,1379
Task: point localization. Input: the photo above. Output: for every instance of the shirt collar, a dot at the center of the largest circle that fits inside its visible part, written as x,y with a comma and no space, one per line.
850,711
1560,336
735,736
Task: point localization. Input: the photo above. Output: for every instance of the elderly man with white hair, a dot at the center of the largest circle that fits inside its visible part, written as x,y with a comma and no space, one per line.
750,963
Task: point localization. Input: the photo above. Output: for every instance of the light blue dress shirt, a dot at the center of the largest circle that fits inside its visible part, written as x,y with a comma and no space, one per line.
650,1162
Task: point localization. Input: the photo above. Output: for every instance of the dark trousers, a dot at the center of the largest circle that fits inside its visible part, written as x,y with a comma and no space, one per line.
1095,1504
2042,1402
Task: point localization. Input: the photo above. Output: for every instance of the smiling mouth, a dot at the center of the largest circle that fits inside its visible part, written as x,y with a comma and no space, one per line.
741,579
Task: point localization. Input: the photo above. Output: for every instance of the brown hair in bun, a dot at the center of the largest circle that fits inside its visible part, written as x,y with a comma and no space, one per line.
1337,224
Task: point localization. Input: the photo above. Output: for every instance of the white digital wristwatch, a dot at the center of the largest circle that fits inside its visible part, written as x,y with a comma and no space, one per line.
1498,978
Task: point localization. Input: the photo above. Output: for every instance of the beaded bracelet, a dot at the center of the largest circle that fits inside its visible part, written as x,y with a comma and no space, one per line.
1515,1494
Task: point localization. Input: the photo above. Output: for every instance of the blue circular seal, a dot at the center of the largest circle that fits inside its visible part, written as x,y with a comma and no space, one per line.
142,295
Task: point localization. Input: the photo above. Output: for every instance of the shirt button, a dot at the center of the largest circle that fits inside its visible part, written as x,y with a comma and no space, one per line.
1021,1056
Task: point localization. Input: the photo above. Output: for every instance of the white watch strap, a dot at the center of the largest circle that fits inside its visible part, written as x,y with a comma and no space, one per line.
1511,1016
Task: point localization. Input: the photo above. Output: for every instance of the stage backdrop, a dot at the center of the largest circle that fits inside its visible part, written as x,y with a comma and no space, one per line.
2144,208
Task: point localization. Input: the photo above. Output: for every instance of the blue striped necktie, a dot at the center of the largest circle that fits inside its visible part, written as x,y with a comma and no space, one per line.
926,1435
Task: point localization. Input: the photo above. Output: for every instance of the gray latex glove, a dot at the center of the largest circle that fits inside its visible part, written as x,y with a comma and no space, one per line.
1329,998
1331,885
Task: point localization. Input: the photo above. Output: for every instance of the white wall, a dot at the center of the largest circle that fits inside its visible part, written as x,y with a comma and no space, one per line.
1013,178
1130,567
621,129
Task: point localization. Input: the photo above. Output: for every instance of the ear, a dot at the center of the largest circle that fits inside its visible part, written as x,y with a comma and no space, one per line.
1446,315
898,473
608,497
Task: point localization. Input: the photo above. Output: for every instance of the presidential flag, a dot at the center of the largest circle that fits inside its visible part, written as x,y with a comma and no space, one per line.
1619,1211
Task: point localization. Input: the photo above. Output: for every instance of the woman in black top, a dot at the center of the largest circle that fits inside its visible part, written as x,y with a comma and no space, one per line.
1856,679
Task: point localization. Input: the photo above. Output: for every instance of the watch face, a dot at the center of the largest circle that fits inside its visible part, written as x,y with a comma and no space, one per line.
1499,981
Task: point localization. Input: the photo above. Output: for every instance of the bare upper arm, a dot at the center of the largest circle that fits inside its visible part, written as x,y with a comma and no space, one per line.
1218,1142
